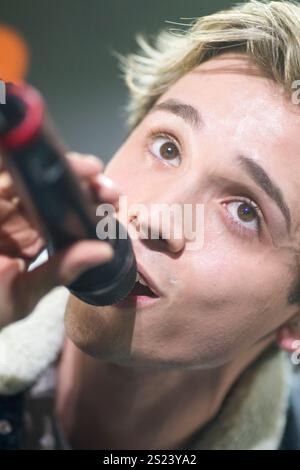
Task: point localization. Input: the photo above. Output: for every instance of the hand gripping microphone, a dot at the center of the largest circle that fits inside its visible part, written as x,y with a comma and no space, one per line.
52,194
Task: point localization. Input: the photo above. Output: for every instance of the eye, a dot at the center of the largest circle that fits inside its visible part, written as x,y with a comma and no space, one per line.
244,216
165,148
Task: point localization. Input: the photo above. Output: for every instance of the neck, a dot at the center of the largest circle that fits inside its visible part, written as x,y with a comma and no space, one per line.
102,405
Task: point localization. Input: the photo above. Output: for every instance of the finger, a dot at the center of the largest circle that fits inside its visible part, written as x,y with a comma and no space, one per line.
7,208
18,237
11,247
105,190
63,268
85,165
9,270
7,189
6,265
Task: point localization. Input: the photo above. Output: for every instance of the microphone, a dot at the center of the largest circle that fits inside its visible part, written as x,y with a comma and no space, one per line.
54,198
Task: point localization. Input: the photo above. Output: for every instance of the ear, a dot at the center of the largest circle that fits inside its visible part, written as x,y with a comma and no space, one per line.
288,336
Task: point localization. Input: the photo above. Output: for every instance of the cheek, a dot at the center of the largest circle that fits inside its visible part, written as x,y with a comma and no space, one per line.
230,298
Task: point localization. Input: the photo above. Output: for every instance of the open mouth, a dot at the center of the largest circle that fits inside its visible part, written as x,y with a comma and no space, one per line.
141,288
141,295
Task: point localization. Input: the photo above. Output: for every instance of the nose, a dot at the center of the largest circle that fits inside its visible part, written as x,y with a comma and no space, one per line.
159,228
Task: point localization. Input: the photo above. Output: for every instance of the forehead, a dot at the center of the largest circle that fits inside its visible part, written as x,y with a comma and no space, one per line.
243,111
232,89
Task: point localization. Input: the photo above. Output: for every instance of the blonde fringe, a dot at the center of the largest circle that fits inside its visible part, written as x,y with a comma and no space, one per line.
268,31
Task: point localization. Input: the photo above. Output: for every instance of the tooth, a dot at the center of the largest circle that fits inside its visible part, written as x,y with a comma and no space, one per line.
143,282
140,280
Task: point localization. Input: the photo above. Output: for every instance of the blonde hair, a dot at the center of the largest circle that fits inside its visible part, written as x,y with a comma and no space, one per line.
268,31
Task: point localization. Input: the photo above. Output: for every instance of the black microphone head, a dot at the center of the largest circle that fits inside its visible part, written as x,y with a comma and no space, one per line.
110,282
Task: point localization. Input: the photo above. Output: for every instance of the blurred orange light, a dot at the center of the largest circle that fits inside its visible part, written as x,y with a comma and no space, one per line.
14,55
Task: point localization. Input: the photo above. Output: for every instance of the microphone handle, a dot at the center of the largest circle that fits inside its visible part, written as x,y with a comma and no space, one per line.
53,196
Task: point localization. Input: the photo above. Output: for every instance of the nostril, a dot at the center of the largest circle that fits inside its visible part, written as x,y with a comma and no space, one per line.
134,221
146,229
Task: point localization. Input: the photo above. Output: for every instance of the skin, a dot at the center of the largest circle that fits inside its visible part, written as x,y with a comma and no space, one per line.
222,304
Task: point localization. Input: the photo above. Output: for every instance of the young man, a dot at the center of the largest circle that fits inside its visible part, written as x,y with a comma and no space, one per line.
214,119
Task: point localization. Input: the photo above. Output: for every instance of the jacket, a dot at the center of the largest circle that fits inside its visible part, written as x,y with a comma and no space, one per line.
260,412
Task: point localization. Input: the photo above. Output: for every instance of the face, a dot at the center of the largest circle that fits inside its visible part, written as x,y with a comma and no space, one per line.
219,298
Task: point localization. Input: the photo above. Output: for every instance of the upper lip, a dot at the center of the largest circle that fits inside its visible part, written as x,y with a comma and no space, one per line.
152,285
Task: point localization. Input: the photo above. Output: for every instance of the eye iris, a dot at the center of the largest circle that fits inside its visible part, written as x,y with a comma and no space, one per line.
246,212
168,149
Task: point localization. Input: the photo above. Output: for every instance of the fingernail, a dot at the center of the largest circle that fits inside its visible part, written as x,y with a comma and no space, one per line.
103,179
107,250
21,264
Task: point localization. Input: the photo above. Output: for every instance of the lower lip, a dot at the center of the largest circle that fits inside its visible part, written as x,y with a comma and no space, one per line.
138,301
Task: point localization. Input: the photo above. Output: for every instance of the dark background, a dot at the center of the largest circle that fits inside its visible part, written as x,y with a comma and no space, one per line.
71,61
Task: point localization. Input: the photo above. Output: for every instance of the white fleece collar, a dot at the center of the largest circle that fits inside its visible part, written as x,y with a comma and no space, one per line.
28,346
253,415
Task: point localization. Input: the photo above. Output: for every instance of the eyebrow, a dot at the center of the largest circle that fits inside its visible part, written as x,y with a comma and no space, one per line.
185,111
193,118
261,178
